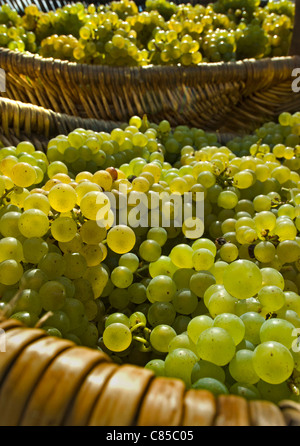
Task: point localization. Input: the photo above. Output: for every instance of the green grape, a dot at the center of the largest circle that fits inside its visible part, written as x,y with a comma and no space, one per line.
247,391
162,266
28,319
11,272
253,322
273,392
117,337
206,369
179,364
161,336
59,320
229,252
181,256
119,298
68,284
23,174
28,300
212,385
33,279
37,201
273,362
63,229
231,323
121,277
216,345
150,250
242,279
181,323
278,330
76,265
159,235
130,261
181,276
52,331
197,325
9,224
121,239
157,366
91,233
182,340
202,259
185,301
288,251
11,248
161,313
34,249
75,311
272,277
200,282
95,206
53,295
204,243
241,367
62,197
53,264
221,302
271,298
33,223
137,293
264,252
161,289
98,277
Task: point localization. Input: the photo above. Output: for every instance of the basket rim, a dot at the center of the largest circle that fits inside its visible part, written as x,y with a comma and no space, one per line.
28,63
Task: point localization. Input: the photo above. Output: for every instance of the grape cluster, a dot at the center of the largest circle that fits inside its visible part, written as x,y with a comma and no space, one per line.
164,33
217,307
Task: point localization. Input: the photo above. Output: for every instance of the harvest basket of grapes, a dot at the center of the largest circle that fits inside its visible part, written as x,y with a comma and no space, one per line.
112,324
225,67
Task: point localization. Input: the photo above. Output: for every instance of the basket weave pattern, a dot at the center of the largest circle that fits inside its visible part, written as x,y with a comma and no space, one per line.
47,381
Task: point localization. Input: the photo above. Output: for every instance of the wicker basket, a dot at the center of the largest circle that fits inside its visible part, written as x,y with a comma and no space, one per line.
47,381
229,97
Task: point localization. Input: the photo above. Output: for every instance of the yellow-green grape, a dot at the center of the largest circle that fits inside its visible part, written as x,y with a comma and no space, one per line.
241,367
121,239
84,187
270,276
271,298
93,254
34,249
216,345
117,337
11,272
63,229
203,259
205,243
11,248
181,255
253,322
121,277
91,233
197,325
161,289
161,336
150,250
95,206
278,330
62,197
242,279
273,362
53,264
233,324
98,277
103,179
264,251
179,364
52,295
203,369
37,201
33,223
23,174
76,265
229,252
130,261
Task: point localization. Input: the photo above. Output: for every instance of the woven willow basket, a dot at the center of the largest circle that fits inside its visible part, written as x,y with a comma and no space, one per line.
228,97
47,381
